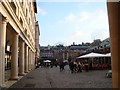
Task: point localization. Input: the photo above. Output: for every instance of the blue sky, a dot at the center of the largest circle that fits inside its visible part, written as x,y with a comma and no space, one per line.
68,22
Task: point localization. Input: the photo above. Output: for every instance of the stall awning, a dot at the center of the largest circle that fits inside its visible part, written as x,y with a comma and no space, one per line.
108,55
91,55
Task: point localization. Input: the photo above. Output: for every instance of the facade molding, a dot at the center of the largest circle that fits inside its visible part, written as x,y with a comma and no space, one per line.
16,25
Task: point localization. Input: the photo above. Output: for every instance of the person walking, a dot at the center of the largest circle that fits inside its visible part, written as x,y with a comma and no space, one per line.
79,67
86,66
71,66
61,66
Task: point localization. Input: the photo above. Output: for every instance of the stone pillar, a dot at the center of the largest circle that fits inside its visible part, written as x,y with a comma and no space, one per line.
26,59
29,60
33,59
114,24
14,58
21,59
3,23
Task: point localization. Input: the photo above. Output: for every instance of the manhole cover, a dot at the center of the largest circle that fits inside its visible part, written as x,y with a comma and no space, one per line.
30,85
30,77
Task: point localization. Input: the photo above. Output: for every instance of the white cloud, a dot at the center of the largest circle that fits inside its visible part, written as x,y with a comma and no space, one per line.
84,16
41,11
71,17
88,25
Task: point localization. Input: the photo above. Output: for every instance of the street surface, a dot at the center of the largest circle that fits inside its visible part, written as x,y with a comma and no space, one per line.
53,78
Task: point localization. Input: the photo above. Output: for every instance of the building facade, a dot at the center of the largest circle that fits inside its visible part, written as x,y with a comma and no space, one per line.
37,46
61,53
17,39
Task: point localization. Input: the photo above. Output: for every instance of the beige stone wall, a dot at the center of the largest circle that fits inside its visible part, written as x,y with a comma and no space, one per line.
37,34
17,31
22,18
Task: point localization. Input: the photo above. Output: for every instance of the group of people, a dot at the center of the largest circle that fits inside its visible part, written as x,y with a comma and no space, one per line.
76,66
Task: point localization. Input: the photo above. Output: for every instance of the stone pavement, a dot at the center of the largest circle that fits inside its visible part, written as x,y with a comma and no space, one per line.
53,78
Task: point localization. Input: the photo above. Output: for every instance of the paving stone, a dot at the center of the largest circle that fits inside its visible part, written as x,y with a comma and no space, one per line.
53,78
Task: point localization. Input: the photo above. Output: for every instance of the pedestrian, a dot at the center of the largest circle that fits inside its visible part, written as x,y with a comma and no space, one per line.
75,65
71,66
61,66
86,66
51,65
79,67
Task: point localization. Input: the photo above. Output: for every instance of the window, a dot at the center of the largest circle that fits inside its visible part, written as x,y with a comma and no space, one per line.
26,12
26,31
13,6
21,21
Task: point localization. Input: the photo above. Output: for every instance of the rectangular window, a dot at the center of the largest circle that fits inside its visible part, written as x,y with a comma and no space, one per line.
13,6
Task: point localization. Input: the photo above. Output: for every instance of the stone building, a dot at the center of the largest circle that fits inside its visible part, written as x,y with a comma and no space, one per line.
37,46
17,39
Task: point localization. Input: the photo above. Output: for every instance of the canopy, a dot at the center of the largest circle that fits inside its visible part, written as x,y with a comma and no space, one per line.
92,55
65,61
108,55
47,61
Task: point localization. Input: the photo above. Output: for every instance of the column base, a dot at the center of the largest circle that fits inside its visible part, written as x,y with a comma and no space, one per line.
2,88
29,69
22,74
15,78
26,71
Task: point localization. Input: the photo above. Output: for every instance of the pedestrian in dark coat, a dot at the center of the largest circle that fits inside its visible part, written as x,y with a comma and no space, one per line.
86,66
71,65
61,66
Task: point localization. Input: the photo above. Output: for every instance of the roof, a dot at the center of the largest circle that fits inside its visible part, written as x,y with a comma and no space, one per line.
108,55
78,47
90,55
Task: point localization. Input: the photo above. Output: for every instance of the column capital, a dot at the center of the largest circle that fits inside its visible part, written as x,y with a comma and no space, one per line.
4,20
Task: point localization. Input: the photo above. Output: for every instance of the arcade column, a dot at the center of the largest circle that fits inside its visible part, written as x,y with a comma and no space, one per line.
14,58
114,26
26,59
21,59
3,24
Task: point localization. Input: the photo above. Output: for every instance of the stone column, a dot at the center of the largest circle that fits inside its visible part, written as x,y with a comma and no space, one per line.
26,59
114,26
29,60
3,23
14,58
33,60
21,59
